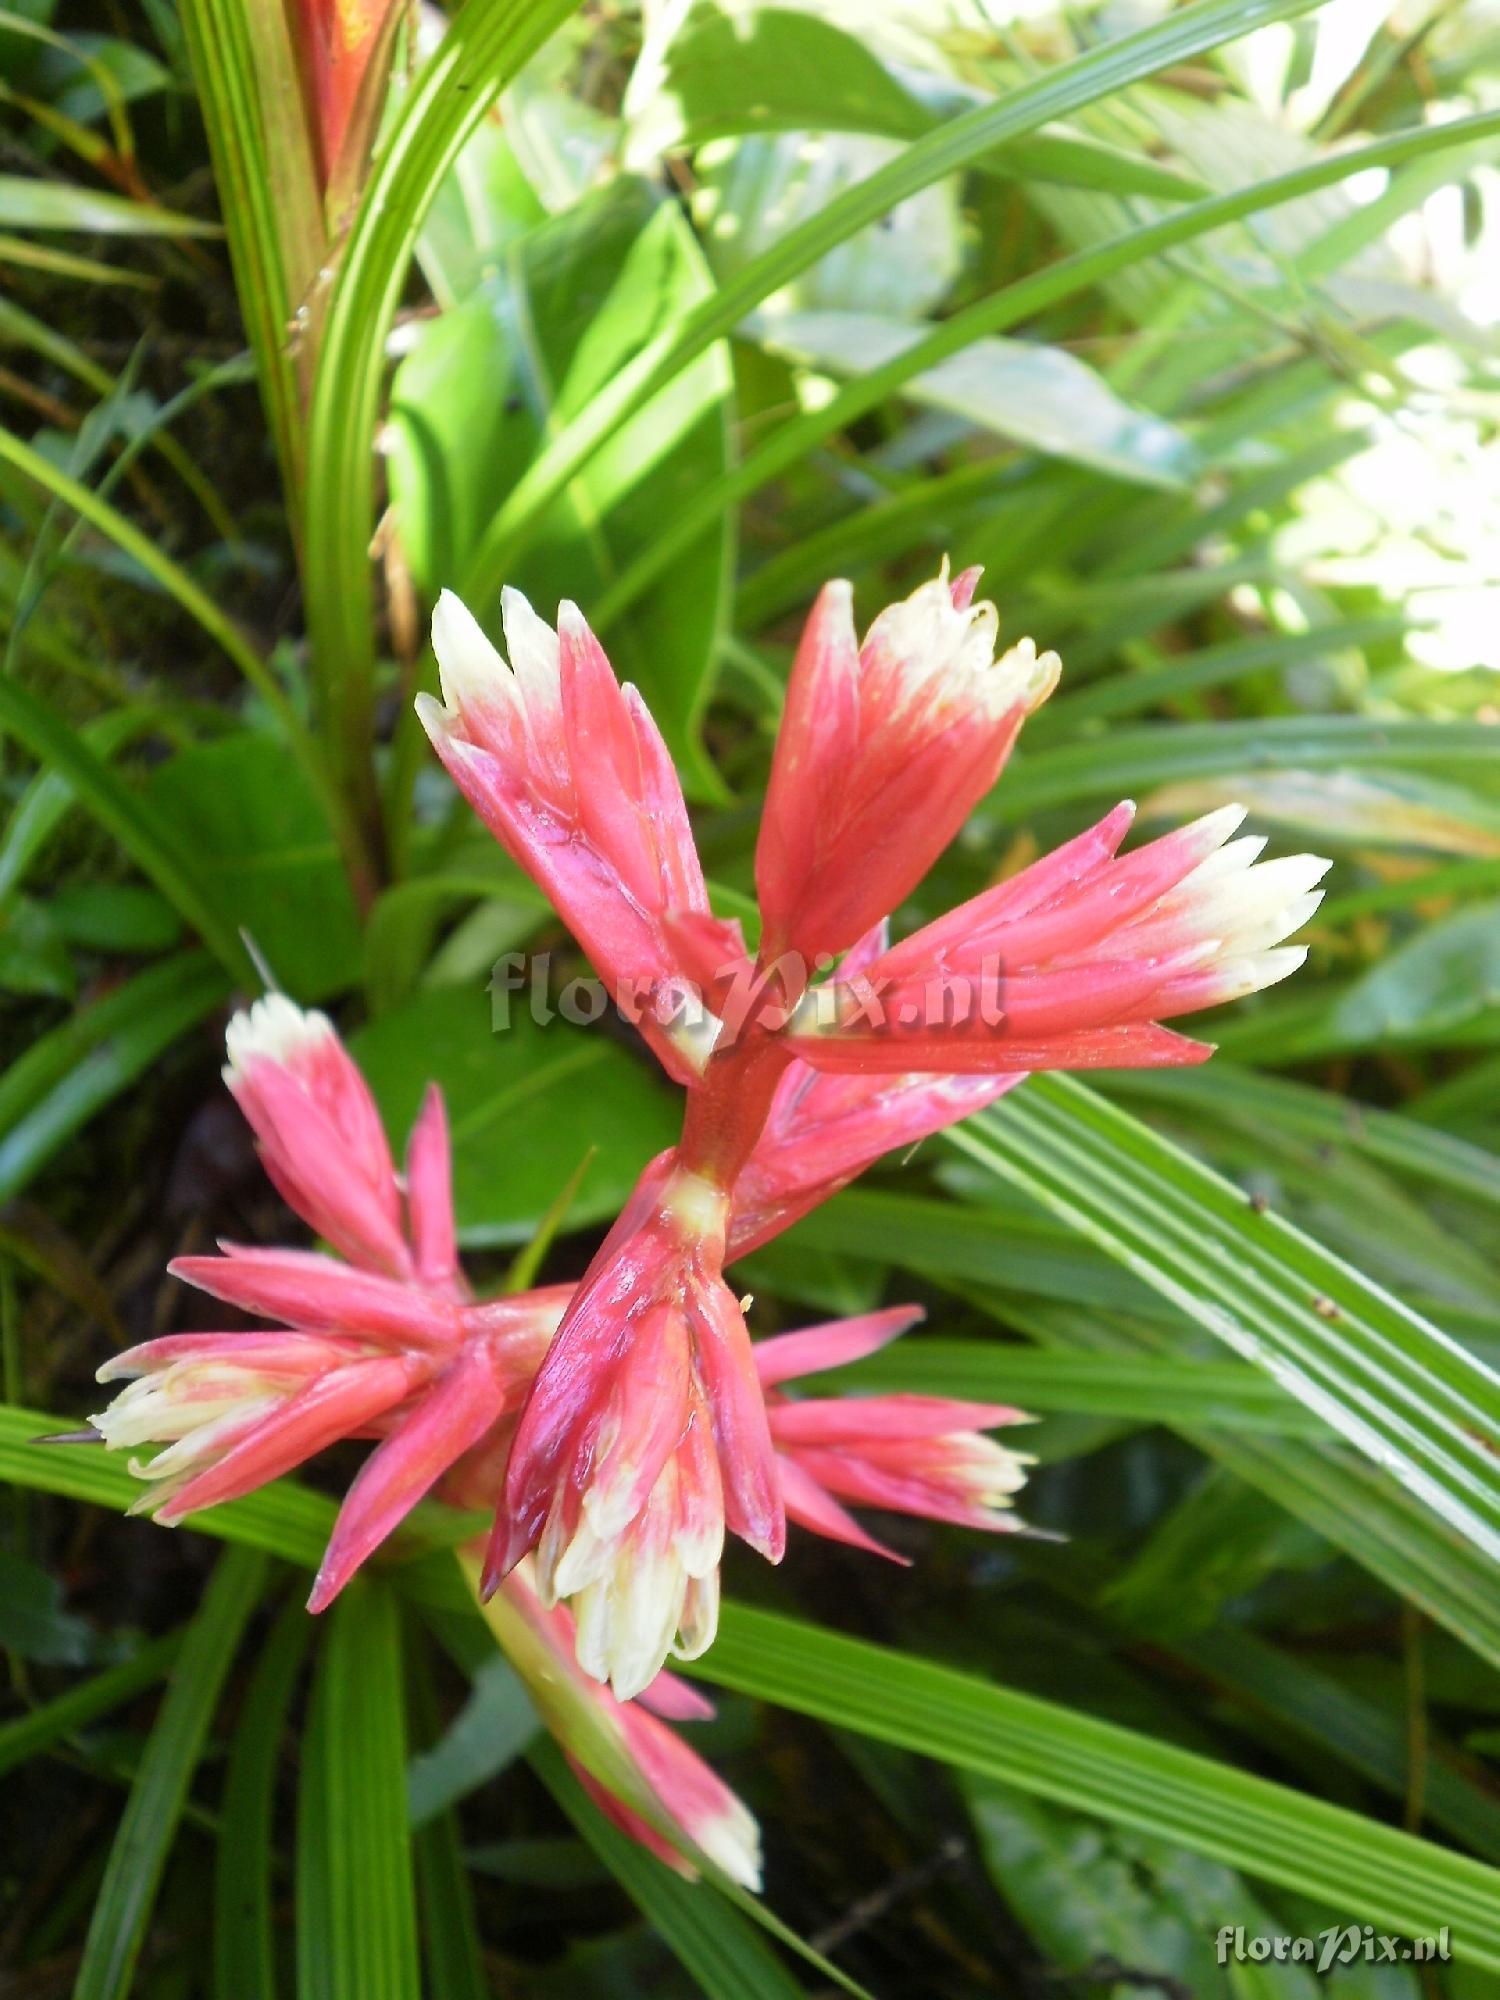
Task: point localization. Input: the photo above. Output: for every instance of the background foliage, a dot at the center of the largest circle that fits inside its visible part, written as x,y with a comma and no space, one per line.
1180,322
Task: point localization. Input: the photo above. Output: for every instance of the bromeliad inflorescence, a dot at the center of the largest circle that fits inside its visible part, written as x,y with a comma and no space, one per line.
646,1433
619,1428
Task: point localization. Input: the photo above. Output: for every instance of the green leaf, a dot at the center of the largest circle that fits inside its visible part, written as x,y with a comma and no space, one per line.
124,815
1322,1118
243,1935
27,203
525,1103
33,1622
571,304
1357,1866
1445,978
450,1936
32,1734
256,827
74,1070
283,1520
356,1913
1407,1396
246,75
1033,395
483,48
724,73
1095,1896
1141,1388
1127,761
122,1908
33,957
1401,809
489,1732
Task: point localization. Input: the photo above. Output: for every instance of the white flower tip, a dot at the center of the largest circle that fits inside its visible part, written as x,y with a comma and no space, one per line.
532,645
273,1029
731,1841
469,668
1026,678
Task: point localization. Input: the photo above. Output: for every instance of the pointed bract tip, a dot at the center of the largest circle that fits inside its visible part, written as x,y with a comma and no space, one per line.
469,668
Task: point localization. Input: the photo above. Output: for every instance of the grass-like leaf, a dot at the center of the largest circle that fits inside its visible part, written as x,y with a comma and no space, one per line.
1411,1399
1352,1864
148,1826
356,1907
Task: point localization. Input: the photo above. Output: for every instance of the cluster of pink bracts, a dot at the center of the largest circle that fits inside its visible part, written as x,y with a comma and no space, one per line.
619,1427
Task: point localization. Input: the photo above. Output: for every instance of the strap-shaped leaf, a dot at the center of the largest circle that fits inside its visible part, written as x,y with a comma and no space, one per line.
356,1905
1356,1866
1411,1399
148,1825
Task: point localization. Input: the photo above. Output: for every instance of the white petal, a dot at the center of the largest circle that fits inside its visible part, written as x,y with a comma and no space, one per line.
469,668
274,1029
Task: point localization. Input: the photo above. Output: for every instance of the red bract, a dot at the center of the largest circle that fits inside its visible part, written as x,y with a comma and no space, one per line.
569,772
1072,963
402,1358
907,1454
646,1433
636,1769
884,751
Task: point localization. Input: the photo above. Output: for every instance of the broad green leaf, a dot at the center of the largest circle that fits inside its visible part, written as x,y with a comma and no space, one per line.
1445,978
525,1103
489,1732
728,71
33,957
1095,1896
568,307
243,1933
1031,394
1357,1866
356,1911
254,825
752,191
34,1622
122,1909
1405,1394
